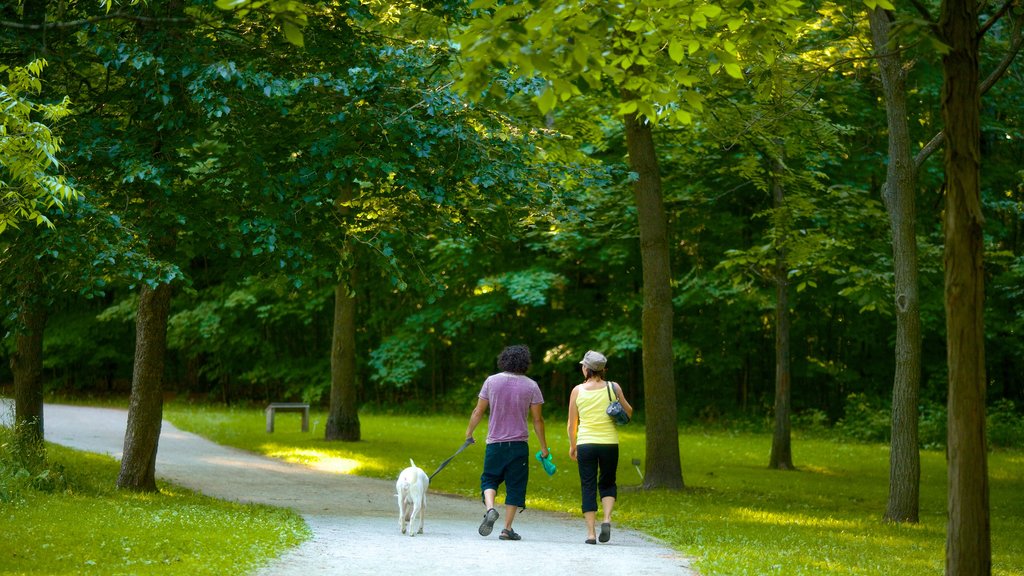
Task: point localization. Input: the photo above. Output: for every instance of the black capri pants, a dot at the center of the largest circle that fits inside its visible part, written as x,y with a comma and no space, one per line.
597,464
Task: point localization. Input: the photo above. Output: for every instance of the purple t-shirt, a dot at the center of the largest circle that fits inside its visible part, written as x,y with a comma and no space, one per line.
509,397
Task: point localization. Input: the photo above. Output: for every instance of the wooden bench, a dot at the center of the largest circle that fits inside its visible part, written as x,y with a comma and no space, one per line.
275,407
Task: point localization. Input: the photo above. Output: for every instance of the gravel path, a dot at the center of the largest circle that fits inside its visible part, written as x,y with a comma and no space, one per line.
355,520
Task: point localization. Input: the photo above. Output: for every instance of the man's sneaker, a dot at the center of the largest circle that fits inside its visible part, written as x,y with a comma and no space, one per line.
488,524
509,534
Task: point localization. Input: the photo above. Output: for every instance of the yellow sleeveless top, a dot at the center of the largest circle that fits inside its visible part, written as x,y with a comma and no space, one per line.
596,427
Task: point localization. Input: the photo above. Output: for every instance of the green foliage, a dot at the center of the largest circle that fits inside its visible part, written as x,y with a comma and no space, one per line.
526,287
869,421
24,468
291,15
864,420
812,421
661,58
29,183
932,425
737,517
86,351
249,340
1005,424
214,154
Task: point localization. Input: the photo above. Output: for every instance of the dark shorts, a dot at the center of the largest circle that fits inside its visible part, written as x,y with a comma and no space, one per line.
507,462
597,464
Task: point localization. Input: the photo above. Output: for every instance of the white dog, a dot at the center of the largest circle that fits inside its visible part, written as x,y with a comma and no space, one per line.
412,497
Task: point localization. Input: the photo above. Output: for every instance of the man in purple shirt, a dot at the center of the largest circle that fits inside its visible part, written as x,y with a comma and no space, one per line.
510,396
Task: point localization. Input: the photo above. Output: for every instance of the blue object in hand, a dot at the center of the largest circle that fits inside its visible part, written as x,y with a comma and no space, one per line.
546,462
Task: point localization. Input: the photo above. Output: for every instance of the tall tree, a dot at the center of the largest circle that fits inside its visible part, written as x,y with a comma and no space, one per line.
663,466
145,409
654,58
781,457
898,193
968,544
27,360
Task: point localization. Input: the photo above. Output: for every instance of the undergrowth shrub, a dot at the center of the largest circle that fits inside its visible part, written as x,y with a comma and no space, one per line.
813,421
931,427
864,420
23,467
1005,425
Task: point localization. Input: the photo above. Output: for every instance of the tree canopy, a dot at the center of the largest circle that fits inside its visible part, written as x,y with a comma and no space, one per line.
359,205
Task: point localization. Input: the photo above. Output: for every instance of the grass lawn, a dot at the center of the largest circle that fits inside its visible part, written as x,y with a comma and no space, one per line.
89,527
736,516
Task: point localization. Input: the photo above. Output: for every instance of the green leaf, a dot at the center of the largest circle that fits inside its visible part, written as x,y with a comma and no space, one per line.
710,10
230,4
293,33
676,51
546,101
734,70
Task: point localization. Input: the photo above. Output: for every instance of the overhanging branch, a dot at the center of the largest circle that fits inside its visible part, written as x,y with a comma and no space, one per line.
1016,41
92,20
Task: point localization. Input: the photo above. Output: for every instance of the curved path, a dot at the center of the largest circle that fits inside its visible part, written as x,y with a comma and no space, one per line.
354,520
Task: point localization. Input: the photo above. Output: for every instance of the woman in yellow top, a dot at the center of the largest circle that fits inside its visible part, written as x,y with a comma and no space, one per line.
594,442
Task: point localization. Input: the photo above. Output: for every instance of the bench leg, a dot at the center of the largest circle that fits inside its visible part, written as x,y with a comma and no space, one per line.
305,420
270,420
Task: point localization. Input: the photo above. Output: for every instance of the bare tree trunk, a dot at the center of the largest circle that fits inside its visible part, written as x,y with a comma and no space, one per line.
782,448
968,541
343,417
145,409
27,366
663,468
898,195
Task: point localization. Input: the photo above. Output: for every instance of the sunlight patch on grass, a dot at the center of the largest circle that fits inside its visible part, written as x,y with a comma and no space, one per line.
321,460
789,519
823,470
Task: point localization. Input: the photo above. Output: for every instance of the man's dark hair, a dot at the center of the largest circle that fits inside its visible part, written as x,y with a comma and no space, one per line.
515,359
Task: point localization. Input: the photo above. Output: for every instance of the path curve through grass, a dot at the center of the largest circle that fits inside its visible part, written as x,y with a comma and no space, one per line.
355,520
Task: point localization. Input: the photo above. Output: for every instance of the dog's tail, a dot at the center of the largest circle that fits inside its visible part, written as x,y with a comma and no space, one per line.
411,463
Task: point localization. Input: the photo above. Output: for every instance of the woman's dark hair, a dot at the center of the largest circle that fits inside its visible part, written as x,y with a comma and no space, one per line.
590,373
515,359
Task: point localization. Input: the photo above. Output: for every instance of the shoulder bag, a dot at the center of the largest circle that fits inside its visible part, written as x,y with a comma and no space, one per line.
615,410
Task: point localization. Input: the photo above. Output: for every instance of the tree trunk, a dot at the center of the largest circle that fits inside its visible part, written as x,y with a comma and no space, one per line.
343,419
898,195
782,450
968,544
27,367
663,468
145,408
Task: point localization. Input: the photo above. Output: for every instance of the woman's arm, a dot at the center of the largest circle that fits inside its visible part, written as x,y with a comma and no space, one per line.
574,423
622,400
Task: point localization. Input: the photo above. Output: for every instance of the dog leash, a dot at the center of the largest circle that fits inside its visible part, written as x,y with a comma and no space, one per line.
445,463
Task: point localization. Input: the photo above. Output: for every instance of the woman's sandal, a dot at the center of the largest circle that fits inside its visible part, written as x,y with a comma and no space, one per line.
606,532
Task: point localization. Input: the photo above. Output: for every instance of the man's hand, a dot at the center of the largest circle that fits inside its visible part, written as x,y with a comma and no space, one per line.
546,462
